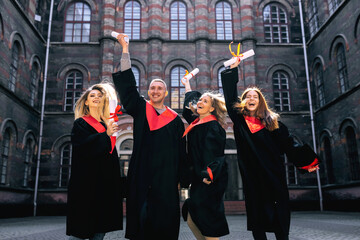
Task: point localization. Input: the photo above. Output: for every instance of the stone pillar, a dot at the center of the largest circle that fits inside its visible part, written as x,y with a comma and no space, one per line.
203,81
155,64
106,42
201,20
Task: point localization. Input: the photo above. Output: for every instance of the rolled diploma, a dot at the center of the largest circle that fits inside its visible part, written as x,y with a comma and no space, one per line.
191,74
116,34
245,55
112,107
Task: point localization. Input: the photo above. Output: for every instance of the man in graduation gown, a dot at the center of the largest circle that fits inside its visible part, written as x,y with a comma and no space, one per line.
152,204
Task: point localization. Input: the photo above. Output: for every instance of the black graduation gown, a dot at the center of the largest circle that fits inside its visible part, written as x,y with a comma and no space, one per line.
152,204
261,166
206,145
94,191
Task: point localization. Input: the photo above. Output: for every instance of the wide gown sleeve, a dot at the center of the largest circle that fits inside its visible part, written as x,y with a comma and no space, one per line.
125,85
214,145
187,113
302,156
90,145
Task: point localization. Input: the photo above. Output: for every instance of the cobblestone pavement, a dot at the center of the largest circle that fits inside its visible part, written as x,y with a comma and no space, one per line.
304,226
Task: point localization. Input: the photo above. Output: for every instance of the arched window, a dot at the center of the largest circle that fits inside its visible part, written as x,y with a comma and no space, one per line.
223,17
125,152
34,80
132,18
178,21
73,89
327,158
319,79
234,190
342,68
29,152
65,164
281,91
313,17
177,92
136,72
352,152
276,25
219,80
77,23
14,66
5,152
333,5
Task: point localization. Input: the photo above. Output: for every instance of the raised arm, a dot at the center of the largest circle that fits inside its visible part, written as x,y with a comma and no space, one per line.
229,79
190,96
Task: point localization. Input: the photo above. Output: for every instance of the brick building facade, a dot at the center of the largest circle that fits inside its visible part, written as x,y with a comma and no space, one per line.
167,37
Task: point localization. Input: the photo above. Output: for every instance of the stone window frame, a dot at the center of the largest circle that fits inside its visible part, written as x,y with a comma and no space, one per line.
333,5
178,88
133,20
178,35
75,92
219,83
271,25
65,167
137,75
74,22
313,17
320,88
29,147
34,78
327,158
281,91
224,21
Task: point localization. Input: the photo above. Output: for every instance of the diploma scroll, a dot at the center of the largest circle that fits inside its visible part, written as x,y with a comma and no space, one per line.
116,34
243,56
112,108
190,75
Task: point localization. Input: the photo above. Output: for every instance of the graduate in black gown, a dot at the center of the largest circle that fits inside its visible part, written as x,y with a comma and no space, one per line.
94,191
261,141
204,210
152,203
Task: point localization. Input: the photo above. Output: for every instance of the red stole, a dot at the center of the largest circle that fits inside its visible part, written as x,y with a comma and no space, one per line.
254,124
198,122
158,121
99,128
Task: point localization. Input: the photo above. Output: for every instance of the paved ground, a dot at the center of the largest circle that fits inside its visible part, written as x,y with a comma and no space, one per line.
304,226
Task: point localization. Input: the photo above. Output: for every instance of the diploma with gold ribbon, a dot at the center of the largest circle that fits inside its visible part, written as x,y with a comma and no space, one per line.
239,56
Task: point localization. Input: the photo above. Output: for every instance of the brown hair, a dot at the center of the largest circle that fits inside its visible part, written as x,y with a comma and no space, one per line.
82,110
217,102
262,112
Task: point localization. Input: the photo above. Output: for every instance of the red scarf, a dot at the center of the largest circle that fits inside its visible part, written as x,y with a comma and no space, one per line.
158,121
99,128
198,122
254,124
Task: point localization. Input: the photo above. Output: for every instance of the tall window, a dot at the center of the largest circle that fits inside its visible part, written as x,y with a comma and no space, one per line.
77,23
14,66
281,91
333,5
223,17
178,21
342,68
34,79
313,17
73,89
132,17
125,152
234,191
65,164
219,80
352,152
276,25
319,79
177,89
136,75
327,157
28,161
5,156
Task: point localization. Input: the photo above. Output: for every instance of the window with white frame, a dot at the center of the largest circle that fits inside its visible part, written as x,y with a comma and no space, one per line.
73,89
177,89
14,66
276,25
77,22
132,19
5,152
281,90
342,68
65,164
178,21
223,15
313,17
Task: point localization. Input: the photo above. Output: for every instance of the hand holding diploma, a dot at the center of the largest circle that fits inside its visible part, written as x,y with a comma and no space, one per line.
119,35
185,80
238,57
113,127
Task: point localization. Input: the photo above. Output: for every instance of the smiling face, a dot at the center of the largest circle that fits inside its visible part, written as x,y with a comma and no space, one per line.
157,92
95,99
252,102
204,106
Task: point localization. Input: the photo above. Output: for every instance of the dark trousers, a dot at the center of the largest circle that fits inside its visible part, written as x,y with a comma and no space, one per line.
259,235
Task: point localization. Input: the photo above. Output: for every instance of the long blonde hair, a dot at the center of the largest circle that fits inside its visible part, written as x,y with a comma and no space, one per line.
262,112
217,102
107,90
